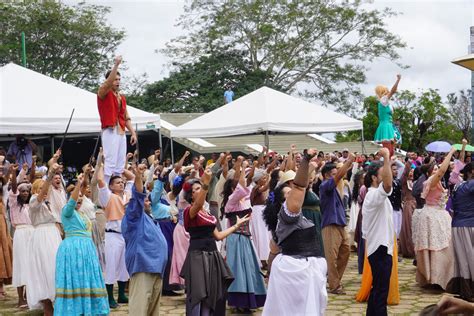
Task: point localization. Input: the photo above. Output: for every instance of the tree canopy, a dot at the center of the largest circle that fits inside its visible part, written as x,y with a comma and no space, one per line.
324,43
199,86
71,43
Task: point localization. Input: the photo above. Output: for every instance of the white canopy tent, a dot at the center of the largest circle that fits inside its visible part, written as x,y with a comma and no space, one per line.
32,103
267,110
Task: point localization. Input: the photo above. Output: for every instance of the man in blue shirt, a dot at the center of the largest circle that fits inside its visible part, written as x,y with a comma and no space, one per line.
462,282
335,238
146,251
228,95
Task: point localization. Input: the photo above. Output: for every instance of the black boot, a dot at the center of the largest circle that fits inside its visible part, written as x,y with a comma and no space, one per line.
110,294
122,298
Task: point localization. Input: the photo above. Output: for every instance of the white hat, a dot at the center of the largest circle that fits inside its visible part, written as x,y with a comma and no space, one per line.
287,176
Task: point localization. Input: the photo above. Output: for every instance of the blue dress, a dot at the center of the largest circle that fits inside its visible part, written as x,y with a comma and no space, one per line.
80,286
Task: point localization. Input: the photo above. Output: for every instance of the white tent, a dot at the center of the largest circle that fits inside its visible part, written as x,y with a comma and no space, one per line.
265,110
32,103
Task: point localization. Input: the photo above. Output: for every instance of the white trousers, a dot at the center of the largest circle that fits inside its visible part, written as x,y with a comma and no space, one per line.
115,151
115,268
397,222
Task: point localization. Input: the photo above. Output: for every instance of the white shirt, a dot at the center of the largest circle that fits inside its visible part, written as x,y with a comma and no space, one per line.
377,220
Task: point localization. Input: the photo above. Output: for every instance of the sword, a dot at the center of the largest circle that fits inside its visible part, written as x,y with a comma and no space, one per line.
91,159
67,128
136,156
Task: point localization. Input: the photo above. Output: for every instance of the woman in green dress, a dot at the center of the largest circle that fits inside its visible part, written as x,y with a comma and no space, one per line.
385,133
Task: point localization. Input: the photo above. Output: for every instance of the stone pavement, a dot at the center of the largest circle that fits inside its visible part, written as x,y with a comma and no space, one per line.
412,298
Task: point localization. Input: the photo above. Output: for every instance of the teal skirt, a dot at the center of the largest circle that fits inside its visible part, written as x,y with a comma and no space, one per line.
80,286
385,132
248,288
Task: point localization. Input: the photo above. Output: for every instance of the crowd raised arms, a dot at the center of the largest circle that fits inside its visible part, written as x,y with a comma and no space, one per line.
164,230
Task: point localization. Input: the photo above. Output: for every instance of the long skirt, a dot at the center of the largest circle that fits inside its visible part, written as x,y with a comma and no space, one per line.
366,283
260,234
43,247
462,282
407,249
297,287
248,289
180,250
21,264
115,268
6,252
99,242
167,227
207,279
80,286
431,227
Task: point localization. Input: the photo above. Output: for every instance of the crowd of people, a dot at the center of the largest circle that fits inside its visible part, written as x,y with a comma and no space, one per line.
273,232
211,228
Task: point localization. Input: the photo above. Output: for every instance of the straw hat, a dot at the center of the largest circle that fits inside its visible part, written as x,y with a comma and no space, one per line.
286,176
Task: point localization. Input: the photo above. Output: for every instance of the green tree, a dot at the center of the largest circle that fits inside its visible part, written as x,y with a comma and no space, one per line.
461,111
70,43
322,43
200,86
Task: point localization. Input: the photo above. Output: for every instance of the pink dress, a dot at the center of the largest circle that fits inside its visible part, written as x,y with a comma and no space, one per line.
181,244
431,228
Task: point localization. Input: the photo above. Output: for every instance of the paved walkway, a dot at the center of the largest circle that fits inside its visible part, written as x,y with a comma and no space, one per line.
413,298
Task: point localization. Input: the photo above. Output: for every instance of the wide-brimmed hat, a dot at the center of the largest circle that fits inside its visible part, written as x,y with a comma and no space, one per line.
286,176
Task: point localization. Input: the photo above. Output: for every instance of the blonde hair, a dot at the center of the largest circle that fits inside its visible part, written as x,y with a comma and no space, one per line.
36,188
380,91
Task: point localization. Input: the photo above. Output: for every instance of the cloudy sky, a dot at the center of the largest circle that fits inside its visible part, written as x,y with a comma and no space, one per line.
436,32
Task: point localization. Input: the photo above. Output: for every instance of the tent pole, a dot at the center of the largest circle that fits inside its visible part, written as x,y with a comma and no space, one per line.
267,140
160,139
52,146
362,139
172,151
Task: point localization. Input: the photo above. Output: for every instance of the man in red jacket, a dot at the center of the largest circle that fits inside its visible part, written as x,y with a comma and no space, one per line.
114,120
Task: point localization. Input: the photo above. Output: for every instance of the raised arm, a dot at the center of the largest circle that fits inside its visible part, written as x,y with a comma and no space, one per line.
345,167
13,170
47,183
139,171
99,171
251,173
85,182
98,163
463,150
33,169
442,169
109,82
68,209
55,158
180,163
295,199
387,177
395,86
225,165
201,198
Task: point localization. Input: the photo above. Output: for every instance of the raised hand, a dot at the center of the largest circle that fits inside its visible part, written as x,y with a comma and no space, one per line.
206,176
118,60
384,153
